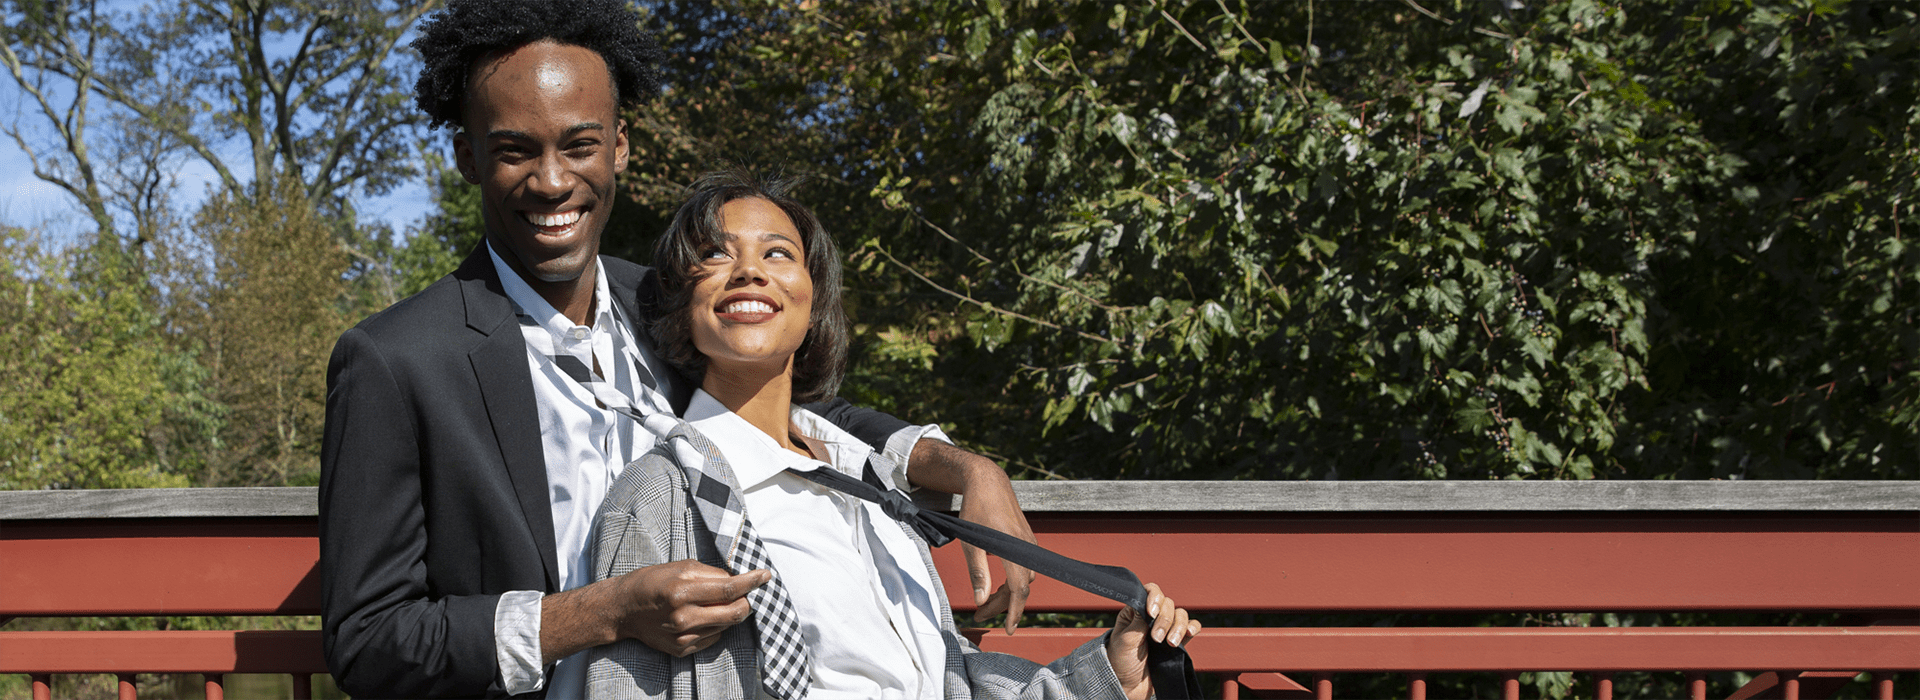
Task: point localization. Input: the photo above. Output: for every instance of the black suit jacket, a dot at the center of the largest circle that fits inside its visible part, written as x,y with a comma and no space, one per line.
433,483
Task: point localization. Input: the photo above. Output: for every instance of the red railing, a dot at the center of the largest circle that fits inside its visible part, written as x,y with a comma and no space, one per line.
1317,548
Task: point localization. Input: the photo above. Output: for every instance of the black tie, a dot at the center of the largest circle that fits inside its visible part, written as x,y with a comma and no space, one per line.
1168,665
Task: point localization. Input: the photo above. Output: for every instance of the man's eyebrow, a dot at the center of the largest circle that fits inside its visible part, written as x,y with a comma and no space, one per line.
524,136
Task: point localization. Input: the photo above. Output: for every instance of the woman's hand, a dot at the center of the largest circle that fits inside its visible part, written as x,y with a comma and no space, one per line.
1127,646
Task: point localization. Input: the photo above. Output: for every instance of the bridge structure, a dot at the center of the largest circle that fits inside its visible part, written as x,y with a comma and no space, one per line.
1268,562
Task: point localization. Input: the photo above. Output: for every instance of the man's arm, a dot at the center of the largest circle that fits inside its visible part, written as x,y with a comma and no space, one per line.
384,635
678,608
987,499
987,493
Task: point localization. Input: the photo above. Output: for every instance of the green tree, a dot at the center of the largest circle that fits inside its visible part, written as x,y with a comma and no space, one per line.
91,382
447,235
276,303
1228,239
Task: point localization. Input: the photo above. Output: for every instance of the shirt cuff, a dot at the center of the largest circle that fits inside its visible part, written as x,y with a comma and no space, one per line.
899,451
516,642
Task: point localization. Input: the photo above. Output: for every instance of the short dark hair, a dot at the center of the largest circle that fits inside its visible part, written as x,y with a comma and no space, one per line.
452,39
821,362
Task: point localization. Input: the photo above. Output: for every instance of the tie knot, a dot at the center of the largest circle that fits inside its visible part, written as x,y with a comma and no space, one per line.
901,507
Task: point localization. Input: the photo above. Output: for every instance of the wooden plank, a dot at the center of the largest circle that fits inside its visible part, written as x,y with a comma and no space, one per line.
1143,496
242,651
1587,649
1611,563
247,502
1465,496
221,566
1339,650
1307,563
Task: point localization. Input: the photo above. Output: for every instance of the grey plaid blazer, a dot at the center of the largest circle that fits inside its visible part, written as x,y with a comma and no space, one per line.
648,518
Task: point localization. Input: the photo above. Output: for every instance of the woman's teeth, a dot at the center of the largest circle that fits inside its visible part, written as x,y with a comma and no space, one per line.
749,307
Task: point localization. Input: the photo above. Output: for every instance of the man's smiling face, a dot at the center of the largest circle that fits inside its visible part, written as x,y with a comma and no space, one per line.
543,140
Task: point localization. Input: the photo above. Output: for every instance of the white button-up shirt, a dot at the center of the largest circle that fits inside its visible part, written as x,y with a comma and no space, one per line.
861,587
585,446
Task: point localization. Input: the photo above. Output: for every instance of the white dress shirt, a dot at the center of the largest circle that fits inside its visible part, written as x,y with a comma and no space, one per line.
861,588
585,447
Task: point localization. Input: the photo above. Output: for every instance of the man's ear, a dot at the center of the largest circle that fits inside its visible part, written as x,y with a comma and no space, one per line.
620,147
463,159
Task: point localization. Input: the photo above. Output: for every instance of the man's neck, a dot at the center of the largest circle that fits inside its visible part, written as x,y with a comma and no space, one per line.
573,298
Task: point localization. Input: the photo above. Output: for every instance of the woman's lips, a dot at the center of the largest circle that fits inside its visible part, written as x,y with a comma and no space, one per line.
746,309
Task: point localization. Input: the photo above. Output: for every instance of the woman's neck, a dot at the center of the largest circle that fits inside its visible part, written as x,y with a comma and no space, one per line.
763,397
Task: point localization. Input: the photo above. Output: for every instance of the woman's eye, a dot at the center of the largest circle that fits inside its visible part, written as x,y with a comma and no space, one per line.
782,252
713,254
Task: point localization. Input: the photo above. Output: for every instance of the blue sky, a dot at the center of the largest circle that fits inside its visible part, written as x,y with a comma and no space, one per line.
28,201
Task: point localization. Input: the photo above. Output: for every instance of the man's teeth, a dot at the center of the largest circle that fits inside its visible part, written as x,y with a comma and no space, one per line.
561,219
749,307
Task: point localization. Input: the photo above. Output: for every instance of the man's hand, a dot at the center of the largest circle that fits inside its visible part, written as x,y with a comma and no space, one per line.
994,505
1127,645
678,608
987,500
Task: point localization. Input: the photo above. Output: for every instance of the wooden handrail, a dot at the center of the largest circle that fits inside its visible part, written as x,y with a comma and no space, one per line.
1140,496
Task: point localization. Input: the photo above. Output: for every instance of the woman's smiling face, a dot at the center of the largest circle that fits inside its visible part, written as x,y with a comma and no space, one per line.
755,302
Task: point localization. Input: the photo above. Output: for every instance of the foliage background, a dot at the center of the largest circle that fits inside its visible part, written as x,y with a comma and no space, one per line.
1204,239
1348,240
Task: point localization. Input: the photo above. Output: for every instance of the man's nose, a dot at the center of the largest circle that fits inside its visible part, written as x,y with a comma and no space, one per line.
550,178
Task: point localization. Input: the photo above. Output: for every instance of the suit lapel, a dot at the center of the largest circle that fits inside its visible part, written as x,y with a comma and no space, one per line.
499,364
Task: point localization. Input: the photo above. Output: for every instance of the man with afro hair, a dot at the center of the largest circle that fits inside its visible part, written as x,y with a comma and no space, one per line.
463,456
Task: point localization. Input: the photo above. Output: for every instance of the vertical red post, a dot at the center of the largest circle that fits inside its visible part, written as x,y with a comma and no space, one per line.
1603,686
42,686
1417,685
127,689
1230,690
1510,685
1790,685
303,686
1697,685
1322,686
215,691
1883,685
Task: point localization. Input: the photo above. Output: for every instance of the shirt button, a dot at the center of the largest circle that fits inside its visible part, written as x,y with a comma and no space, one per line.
579,334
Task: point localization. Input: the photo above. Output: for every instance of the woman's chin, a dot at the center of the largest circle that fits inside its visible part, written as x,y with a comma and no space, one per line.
749,365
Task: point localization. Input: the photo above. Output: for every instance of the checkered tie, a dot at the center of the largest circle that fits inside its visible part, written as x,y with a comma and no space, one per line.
784,660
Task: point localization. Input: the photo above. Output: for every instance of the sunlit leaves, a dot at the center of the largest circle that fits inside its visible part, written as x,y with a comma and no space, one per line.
1564,240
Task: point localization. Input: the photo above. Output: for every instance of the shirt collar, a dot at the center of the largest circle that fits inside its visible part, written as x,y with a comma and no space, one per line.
755,457
532,304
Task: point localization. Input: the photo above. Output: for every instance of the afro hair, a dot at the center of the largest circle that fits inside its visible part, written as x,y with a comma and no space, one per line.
451,40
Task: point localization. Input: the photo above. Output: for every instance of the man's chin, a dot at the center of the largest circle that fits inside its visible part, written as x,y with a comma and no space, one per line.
555,274
565,268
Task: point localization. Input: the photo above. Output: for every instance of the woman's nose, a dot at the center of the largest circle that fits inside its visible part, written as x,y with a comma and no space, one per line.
746,269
